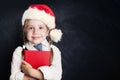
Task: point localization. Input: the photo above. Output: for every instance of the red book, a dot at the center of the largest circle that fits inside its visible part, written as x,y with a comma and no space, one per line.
37,58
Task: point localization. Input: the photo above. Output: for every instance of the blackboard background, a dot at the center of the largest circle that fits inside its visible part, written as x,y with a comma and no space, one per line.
90,44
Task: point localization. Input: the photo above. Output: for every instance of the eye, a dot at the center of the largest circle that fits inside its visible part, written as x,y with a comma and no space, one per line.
40,27
29,27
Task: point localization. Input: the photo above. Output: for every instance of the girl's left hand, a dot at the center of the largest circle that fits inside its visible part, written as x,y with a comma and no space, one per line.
26,67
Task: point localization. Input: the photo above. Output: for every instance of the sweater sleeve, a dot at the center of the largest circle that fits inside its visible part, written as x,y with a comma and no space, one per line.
53,72
16,73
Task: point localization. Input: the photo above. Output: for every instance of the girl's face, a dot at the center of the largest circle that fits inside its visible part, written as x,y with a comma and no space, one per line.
35,31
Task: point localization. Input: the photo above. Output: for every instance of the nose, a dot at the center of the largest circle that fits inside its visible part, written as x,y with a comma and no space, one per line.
35,31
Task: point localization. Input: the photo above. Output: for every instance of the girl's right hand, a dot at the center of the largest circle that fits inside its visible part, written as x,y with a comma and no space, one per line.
28,70
26,67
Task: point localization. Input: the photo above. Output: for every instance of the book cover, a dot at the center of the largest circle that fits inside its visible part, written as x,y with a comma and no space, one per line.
37,58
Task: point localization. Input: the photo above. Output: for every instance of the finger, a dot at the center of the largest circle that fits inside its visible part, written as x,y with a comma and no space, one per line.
26,63
23,62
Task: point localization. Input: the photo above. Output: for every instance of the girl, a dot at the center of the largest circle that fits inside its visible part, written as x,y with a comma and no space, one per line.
39,30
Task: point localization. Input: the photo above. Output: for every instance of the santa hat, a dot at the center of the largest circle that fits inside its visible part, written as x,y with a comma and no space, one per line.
45,14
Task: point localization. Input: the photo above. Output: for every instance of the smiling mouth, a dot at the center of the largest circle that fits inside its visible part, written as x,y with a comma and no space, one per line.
34,37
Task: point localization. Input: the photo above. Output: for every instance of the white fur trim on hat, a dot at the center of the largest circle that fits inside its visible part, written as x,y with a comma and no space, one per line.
33,13
56,35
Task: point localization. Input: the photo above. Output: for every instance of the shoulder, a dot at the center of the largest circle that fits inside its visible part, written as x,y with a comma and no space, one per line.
18,50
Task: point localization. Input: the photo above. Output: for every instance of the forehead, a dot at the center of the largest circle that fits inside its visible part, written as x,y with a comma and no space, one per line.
34,22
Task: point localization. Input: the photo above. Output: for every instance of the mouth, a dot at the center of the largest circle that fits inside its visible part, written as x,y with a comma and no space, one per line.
35,37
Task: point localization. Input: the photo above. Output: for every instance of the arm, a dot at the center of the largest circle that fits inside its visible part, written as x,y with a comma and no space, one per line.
28,70
53,72
26,77
16,73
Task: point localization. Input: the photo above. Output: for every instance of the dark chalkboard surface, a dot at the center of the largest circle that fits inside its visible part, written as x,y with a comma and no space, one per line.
90,44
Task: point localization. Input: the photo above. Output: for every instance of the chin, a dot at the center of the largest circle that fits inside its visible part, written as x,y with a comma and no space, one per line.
36,42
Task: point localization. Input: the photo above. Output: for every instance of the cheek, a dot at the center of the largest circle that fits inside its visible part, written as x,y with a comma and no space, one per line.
28,34
46,33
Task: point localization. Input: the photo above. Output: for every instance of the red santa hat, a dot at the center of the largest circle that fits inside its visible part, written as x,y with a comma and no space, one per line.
45,14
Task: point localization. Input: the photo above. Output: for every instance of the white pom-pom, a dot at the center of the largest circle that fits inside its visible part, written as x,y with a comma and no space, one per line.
56,35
